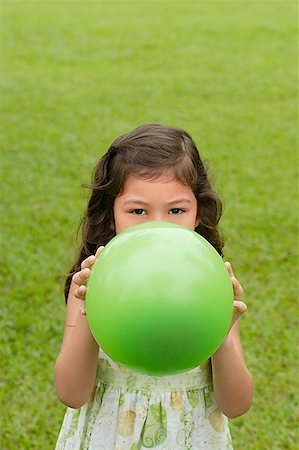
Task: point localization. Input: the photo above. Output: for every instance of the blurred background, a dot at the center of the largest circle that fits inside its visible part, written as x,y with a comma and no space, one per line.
77,74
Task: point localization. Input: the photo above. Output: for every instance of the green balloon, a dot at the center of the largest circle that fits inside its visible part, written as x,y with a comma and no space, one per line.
159,299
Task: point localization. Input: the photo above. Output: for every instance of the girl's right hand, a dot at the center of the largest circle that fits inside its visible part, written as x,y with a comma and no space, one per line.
81,278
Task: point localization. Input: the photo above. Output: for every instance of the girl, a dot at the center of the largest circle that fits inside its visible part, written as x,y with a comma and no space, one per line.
151,173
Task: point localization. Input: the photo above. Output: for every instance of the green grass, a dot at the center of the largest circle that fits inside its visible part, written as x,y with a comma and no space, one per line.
75,75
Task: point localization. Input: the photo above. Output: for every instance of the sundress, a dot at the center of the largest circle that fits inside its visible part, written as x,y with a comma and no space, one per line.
131,411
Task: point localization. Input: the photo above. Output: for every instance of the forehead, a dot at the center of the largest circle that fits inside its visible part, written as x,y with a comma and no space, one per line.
163,183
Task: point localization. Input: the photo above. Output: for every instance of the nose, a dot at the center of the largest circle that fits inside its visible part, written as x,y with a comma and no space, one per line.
157,217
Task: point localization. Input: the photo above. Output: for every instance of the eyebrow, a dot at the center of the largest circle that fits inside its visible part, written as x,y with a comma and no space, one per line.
140,202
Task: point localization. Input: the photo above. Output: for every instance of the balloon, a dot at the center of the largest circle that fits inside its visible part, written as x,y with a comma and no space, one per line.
159,299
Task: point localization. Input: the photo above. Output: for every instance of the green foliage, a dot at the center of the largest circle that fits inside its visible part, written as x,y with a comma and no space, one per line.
75,75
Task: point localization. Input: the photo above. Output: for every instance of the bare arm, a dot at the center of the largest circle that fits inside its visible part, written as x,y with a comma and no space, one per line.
76,365
233,383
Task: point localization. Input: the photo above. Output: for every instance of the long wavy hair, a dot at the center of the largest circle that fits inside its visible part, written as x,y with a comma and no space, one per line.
148,151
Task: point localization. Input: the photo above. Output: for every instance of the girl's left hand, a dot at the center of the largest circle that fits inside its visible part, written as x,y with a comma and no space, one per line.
239,306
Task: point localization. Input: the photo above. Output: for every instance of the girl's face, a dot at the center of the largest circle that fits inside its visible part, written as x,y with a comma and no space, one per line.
165,199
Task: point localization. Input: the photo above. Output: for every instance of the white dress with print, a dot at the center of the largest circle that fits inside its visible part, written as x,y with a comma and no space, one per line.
129,411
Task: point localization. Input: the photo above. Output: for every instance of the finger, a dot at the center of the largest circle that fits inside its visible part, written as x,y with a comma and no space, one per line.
83,310
239,307
80,292
238,290
88,262
229,268
81,277
99,250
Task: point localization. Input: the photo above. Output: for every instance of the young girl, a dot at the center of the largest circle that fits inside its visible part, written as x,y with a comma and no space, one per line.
151,173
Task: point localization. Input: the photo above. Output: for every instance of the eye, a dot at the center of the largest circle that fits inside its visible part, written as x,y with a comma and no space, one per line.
176,211
138,212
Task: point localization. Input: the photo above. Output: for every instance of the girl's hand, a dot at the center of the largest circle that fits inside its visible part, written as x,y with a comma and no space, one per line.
81,278
239,306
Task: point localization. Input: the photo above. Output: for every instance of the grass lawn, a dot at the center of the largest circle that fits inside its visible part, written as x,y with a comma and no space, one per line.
74,76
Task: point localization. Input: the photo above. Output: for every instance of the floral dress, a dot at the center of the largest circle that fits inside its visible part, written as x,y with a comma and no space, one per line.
130,411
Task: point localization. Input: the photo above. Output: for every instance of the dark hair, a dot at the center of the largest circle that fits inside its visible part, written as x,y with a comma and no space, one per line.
147,150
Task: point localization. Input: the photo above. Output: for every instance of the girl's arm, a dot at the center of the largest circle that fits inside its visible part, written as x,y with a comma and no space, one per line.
76,365
233,383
